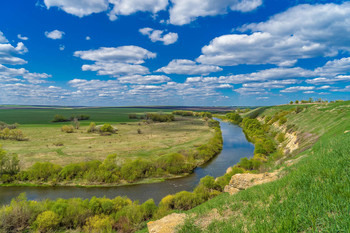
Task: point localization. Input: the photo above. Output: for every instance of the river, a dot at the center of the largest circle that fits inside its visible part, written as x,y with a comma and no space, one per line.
235,147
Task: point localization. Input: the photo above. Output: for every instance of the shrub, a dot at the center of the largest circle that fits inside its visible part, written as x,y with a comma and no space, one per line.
98,224
133,116
81,117
67,129
183,113
92,127
59,118
298,109
234,117
3,125
46,221
107,128
280,137
157,117
137,169
282,121
43,171
185,200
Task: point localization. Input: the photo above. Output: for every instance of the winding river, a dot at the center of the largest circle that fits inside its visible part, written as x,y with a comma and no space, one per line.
235,147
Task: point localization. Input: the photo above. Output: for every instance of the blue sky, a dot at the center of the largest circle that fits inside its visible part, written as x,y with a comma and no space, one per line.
173,52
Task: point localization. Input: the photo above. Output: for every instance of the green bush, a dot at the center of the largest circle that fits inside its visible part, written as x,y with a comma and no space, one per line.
234,117
282,121
107,128
92,128
281,137
183,113
60,118
67,129
157,117
46,222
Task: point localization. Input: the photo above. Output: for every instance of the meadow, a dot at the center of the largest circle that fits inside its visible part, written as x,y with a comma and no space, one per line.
134,138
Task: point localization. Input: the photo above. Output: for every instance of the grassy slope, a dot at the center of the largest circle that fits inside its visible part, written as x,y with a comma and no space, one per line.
314,195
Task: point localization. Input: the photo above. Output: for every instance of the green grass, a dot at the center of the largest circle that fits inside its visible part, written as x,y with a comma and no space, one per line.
45,116
313,196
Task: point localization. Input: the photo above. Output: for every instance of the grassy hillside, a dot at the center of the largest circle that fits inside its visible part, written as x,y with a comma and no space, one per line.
312,196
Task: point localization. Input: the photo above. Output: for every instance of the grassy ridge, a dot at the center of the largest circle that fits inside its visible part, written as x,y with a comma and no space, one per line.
313,196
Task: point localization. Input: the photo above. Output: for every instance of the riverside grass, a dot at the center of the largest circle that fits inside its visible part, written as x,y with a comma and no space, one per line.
312,196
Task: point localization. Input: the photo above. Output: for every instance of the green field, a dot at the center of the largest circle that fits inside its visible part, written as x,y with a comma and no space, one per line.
313,196
45,116
48,144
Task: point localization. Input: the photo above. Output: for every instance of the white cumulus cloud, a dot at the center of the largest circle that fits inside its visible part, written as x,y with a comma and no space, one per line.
21,37
116,61
8,53
303,31
185,11
184,66
128,7
55,34
157,35
78,8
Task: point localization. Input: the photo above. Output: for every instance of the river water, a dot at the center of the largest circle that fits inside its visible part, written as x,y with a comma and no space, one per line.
235,147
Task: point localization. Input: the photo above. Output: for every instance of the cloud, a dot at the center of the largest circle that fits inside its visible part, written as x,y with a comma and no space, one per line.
88,38
183,66
297,88
148,79
263,98
21,74
323,80
185,11
8,52
181,11
275,84
21,37
122,54
157,35
258,48
303,31
78,8
128,7
268,74
3,38
55,34
116,69
251,91
116,61
62,47
324,24
334,67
